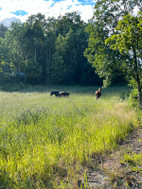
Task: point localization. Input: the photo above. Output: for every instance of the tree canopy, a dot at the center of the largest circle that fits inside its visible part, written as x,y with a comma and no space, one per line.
128,40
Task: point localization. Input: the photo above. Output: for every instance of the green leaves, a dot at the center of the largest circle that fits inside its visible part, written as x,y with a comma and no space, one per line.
41,42
115,41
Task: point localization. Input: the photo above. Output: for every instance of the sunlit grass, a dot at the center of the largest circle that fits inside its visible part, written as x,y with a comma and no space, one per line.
45,140
133,159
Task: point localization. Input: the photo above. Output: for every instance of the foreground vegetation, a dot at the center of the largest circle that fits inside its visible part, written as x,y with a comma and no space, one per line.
44,141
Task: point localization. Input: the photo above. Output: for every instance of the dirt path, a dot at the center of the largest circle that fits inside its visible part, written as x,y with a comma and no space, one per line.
112,173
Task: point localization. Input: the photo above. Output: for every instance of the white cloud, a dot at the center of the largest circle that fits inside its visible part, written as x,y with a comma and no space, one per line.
48,8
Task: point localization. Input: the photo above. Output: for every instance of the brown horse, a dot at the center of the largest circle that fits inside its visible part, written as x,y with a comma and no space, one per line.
98,93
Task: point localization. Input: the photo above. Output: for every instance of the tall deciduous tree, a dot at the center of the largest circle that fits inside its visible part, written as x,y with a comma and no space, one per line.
58,66
105,60
57,69
49,50
34,36
108,59
128,40
14,42
106,16
33,45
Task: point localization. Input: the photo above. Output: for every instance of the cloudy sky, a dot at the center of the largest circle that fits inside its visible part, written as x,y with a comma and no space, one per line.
22,9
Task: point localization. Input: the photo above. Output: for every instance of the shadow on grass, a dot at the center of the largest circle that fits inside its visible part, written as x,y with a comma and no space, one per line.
5,180
121,91
22,88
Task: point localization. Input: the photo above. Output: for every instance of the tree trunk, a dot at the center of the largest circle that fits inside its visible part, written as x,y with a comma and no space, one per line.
137,78
48,57
140,95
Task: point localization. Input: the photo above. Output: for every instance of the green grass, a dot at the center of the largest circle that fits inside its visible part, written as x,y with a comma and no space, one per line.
45,140
134,161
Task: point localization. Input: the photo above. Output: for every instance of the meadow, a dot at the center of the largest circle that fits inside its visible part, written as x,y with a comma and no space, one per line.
45,142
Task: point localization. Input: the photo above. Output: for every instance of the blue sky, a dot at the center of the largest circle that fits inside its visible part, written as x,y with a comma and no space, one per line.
22,9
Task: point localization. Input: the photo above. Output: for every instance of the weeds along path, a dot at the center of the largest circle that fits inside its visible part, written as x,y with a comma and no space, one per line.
122,169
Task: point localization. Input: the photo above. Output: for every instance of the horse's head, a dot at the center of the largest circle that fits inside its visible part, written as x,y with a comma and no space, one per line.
56,93
51,93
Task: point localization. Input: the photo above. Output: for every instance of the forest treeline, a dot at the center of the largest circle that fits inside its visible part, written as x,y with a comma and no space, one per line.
47,50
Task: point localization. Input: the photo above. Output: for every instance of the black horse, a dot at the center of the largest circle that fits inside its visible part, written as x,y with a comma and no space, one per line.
59,93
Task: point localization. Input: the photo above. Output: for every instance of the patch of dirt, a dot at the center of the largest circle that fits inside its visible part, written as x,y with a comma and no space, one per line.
110,173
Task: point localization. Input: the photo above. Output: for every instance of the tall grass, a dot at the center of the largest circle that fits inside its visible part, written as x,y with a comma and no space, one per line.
45,140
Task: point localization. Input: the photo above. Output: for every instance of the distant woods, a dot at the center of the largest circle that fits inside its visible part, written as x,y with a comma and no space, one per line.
46,51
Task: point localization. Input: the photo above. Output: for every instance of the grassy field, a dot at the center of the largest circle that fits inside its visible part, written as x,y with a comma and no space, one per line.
45,141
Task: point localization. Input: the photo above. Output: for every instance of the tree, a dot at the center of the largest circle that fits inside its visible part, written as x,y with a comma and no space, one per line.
70,56
34,37
57,69
3,30
58,66
49,50
33,45
13,44
69,21
105,60
128,40
5,65
33,72
108,63
115,43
